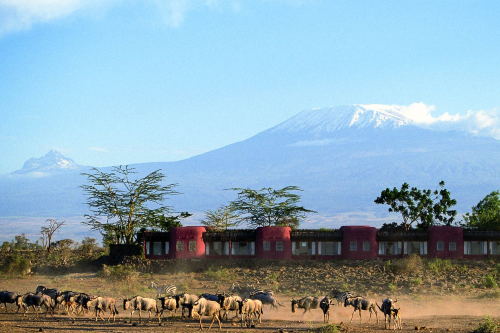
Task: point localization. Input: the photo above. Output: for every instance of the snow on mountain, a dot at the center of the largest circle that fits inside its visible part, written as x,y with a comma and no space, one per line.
52,161
356,116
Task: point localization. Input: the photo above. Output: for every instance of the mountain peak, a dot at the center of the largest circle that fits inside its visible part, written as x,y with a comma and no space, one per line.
52,161
343,117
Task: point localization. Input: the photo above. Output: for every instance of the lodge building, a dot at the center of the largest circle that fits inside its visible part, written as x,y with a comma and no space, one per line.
348,242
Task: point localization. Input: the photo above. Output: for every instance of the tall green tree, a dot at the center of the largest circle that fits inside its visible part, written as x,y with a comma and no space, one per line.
165,223
122,204
222,218
270,207
486,214
423,207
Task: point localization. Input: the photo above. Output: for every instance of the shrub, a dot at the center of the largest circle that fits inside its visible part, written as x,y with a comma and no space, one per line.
409,265
439,265
16,264
391,287
330,328
489,281
487,325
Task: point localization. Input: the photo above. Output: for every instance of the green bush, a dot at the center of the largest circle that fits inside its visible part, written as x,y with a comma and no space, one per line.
439,265
391,287
330,328
416,281
16,264
411,264
489,281
487,325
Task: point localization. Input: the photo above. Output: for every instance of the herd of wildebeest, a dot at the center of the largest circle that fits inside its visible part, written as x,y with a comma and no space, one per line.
246,302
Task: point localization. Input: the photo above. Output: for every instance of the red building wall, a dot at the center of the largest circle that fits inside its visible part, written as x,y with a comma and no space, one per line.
359,234
445,235
272,235
186,235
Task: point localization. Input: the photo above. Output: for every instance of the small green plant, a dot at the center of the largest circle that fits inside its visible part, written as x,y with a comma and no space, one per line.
462,268
216,273
416,281
489,282
487,325
391,287
330,328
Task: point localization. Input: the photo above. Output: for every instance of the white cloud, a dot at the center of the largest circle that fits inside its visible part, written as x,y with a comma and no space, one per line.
16,15
482,122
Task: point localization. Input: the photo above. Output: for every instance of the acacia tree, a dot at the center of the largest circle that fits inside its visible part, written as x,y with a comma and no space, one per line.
121,204
270,207
486,214
424,206
48,232
224,217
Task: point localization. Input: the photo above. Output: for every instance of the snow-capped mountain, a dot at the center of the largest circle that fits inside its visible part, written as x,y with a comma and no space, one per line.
52,161
342,117
341,157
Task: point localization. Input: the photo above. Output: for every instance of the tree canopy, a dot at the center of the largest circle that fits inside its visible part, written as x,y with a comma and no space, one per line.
222,218
122,204
270,207
421,206
486,214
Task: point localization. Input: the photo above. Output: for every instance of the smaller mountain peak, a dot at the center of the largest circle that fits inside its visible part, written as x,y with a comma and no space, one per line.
52,161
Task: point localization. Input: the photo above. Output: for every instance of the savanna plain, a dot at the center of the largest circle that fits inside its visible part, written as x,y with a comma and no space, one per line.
433,295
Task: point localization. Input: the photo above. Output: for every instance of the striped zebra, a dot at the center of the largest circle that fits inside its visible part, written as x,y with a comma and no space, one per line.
163,289
341,296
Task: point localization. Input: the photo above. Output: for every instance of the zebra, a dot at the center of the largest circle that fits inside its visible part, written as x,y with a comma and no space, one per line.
341,296
163,289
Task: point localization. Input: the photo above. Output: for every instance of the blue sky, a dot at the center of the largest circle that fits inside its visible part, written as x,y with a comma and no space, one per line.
113,82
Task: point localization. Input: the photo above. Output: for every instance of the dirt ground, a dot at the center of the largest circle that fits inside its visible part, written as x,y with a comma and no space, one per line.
430,313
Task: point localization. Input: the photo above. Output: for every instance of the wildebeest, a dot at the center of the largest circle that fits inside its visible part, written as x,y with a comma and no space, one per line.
307,303
360,303
101,305
36,301
325,306
266,299
205,308
230,303
8,297
186,301
248,308
168,303
242,292
141,304
386,309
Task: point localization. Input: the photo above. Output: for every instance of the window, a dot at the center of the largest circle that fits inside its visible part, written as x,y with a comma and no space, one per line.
217,248
243,248
415,248
440,246
354,246
329,248
494,247
389,248
452,246
157,249
267,246
192,246
279,246
148,244
179,246
475,248
167,247
366,246
304,248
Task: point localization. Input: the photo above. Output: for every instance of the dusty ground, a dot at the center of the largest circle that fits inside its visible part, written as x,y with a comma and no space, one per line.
430,309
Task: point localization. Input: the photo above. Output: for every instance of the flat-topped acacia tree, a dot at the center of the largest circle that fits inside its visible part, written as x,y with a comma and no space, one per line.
122,204
270,207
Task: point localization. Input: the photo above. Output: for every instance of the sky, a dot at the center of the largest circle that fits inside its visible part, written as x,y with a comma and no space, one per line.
110,82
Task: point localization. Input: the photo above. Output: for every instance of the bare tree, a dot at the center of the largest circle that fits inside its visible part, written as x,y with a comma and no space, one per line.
48,232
